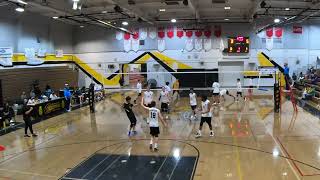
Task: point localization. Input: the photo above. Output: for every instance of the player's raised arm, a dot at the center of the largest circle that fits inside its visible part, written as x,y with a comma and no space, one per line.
142,104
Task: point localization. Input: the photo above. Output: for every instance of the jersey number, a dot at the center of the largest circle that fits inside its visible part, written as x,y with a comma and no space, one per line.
153,115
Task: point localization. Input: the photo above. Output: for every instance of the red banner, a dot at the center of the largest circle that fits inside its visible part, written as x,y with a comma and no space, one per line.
126,36
161,33
269,32
170,32
198,33
189,34
278,32
180,32
208,33
217,31
297,29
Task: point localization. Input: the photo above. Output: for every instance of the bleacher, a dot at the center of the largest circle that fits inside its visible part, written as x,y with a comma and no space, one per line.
298,91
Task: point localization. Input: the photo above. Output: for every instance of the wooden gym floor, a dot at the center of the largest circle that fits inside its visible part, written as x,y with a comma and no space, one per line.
251,142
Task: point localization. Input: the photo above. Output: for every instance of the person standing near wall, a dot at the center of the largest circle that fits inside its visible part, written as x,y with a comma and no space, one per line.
286,75
27,112
67,96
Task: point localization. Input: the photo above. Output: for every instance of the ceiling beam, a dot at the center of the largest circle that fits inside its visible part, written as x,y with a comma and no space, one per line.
195,9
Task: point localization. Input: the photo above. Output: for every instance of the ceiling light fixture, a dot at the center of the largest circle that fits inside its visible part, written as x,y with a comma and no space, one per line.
125,23
22,2
20,9
55,17
287,9
104,12
277,20
162,10
81,26
227,7
173,20
226,19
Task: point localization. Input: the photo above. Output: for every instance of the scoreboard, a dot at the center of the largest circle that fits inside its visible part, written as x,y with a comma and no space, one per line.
238,44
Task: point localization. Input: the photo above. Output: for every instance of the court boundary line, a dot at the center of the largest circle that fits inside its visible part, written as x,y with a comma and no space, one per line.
293,162
178,140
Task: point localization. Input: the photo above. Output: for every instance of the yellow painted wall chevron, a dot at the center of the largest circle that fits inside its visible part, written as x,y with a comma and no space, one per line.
72,58
170,61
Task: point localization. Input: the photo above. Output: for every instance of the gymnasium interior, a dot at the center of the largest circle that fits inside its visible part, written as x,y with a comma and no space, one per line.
68,68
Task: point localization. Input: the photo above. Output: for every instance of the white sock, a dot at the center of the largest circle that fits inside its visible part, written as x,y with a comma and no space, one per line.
155,145
151,142
199,132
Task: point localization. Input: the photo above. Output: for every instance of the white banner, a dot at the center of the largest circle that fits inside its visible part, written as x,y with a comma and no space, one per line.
189,45
152,32
143,33
119,35
29,53
198,44
135,46
221,46
207,44
161,45
6,52
269,44
59,53
127,45
42,52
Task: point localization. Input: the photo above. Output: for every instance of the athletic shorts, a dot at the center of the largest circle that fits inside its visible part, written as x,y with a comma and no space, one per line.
154,131
164,107
133,120
205,119
193,107
216,94
239,93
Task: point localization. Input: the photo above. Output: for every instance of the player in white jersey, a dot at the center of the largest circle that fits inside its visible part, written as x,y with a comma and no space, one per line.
239,89
147,97
193,102
224,92
164,98
206,115
216,92
154,116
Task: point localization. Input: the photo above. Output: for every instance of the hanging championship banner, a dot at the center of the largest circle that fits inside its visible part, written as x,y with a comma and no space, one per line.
119,35
207,44
152,32
161,45
127,45
217,31
161,33
170,32
135,34
143,33
189,45
198,33
126,36
198,44
261,34
207,33
180,32
135,46
278,31
269,44
269,32
189,33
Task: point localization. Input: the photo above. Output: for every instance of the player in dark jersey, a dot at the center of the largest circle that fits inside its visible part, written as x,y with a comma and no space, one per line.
132,118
